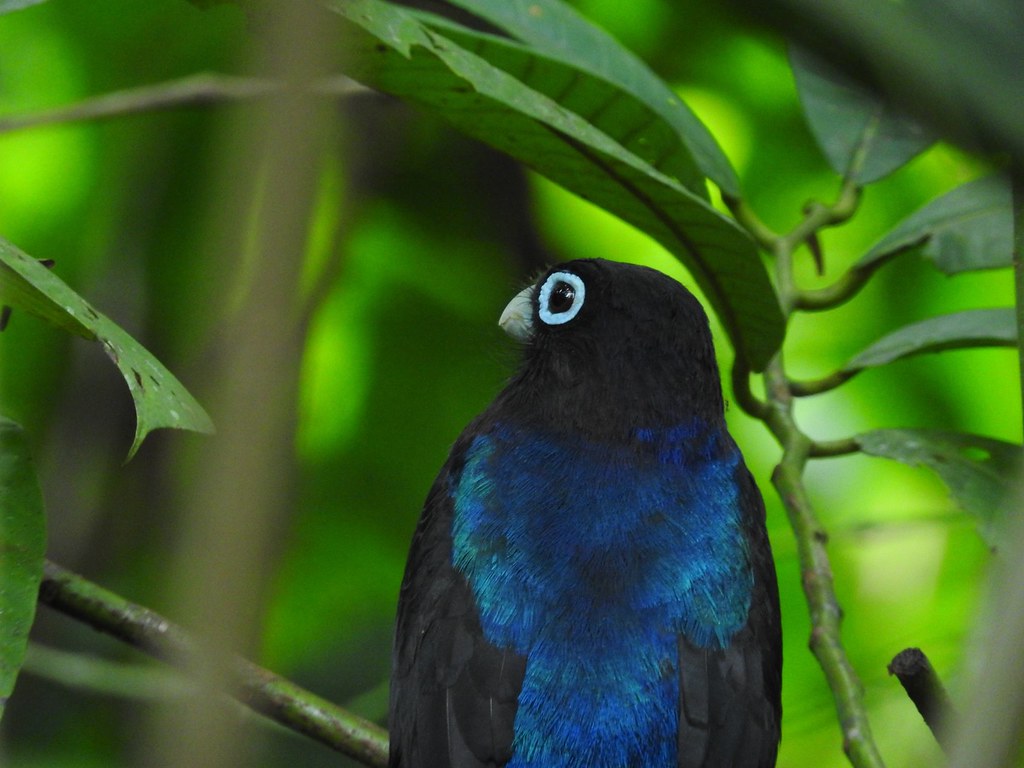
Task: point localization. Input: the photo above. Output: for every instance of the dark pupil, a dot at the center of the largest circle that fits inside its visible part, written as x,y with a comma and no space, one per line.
561,298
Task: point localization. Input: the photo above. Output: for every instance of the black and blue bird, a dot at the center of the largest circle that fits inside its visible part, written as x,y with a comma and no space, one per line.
590,584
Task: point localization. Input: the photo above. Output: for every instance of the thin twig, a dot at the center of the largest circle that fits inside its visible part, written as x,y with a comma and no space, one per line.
742,393
806,388
841,291
822,449
915,673
195,90
143,682
747,217
257,688
819,216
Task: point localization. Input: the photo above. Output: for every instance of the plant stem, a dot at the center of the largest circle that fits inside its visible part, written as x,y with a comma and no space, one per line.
811,537
819,449
826,614
824,384
820,216
742,393
797,448
142,682
258,689
195,90
747,217
841,291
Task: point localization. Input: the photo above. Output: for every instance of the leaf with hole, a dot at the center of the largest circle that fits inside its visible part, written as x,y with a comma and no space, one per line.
958,330
586,70
982,474
393,51
862,138
22,548
968,228
160,399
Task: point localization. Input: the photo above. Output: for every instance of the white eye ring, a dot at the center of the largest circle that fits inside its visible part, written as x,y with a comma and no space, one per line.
575,292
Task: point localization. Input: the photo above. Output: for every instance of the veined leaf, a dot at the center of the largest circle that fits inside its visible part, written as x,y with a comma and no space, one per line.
968,228
623,97
983,475
22,548
615,112
959,330
160,399
396,53
861,137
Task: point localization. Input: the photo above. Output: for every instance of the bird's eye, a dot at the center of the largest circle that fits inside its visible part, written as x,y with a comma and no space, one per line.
561,298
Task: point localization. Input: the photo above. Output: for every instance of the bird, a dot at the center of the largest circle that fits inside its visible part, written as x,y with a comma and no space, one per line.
590,583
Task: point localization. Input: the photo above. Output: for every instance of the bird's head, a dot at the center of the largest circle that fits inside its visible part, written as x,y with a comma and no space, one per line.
610,348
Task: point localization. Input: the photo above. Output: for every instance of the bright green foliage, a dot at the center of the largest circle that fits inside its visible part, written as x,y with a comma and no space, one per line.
160,399
981,473
617,112
428,69
861,137
959,330
418,238
22,546
968,228
619,82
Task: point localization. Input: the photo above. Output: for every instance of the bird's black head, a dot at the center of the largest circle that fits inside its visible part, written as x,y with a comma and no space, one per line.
610,348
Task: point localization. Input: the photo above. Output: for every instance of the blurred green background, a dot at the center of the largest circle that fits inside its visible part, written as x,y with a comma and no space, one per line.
416,239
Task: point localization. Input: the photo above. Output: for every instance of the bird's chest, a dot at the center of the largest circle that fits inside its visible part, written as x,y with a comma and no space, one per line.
591,563
564,544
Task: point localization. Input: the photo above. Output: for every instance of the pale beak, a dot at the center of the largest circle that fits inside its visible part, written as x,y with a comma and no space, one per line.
517,318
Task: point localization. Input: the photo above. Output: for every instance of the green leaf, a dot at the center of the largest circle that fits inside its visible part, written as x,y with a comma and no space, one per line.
160,399
968,228
22,548
588,71
615,112
959,330
983,475
861,137
403,57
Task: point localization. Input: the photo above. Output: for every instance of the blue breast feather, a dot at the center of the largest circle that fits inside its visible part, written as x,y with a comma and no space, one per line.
590,561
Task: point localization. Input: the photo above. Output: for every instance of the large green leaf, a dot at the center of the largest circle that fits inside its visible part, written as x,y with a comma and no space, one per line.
983,475
22,548
968,228
396,53
160,399
861,137
615,112
610,87
959,330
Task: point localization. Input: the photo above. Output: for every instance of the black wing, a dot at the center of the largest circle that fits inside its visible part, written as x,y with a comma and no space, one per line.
730,706
453,694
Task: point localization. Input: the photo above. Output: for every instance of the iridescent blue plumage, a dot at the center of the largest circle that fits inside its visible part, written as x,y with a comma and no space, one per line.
538,531
590,584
